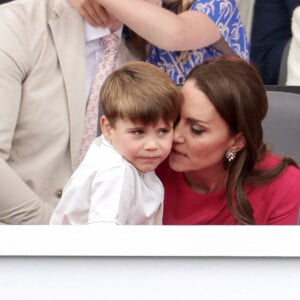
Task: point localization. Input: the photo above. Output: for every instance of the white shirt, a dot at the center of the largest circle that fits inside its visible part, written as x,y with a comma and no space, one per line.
106,188
95,50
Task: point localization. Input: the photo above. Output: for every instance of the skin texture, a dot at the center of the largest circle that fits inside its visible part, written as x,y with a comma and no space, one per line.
145,146
162,28
200,140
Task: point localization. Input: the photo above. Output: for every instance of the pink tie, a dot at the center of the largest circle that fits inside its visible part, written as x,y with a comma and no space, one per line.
106,65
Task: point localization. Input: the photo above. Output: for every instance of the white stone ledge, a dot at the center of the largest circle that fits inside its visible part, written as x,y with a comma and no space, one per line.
143,241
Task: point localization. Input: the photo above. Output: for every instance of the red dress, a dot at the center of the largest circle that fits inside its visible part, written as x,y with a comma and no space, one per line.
274,203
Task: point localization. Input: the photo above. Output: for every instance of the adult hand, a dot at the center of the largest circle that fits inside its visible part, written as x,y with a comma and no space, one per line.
93,12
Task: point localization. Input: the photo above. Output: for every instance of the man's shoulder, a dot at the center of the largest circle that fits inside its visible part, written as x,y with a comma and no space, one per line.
37,9
21,13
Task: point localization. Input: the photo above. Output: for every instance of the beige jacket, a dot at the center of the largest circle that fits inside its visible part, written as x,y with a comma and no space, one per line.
42,104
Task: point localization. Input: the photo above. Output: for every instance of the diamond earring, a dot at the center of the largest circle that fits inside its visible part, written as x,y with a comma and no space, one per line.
230,155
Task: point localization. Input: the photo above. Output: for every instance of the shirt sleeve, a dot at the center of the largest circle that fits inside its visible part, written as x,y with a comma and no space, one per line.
19,204
111,196
225,14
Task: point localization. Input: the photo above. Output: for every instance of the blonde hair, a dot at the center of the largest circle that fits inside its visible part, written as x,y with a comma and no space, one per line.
184,5
141,92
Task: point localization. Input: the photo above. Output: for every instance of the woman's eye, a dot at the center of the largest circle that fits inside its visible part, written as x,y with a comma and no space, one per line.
197,131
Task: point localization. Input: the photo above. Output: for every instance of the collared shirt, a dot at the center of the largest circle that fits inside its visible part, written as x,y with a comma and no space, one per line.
107,189
94,50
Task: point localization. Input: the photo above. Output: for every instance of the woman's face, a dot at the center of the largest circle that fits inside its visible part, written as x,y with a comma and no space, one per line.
201,136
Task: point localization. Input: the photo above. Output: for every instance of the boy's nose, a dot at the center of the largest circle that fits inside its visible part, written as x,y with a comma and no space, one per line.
150,144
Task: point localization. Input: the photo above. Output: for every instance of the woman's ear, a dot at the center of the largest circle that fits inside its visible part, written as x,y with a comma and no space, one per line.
239,142
106,128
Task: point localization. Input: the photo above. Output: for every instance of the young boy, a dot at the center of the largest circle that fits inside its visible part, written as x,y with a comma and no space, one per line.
116,183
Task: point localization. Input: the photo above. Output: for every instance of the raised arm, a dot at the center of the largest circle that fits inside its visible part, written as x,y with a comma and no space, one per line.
161,27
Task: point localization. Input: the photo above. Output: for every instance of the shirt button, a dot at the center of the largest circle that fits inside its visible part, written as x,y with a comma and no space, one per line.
58,193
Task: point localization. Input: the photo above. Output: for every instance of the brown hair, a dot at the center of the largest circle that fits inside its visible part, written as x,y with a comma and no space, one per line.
140,92
138,44
236,90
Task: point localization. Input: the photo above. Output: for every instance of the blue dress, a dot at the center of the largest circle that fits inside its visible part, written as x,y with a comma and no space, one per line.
225,15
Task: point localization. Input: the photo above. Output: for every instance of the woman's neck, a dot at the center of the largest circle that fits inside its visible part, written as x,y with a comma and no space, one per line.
205,182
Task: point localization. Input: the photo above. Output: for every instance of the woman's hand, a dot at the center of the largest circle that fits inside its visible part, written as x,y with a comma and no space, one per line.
93,12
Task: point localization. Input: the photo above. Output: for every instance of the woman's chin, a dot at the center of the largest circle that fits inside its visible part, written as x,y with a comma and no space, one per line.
177,163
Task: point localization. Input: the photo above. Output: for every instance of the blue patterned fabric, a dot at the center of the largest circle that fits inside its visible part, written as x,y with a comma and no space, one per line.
225,15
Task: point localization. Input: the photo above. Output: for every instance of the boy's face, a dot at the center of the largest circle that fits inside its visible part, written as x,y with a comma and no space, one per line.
145,146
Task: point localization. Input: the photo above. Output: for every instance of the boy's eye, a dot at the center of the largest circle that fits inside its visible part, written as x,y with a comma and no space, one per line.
137,132
164,131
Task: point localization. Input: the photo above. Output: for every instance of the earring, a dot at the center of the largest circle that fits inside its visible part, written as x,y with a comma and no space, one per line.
230,155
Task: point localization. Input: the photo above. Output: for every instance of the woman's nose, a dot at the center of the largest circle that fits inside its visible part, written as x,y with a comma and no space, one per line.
178,137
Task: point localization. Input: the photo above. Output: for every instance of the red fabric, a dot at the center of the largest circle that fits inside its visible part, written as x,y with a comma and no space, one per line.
274,203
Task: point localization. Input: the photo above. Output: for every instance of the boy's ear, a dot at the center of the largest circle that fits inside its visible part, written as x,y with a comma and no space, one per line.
106,128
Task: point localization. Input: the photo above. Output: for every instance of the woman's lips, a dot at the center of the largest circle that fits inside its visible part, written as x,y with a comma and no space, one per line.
176,152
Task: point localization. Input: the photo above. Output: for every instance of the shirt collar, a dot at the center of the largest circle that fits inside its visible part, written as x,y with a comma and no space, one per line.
94,33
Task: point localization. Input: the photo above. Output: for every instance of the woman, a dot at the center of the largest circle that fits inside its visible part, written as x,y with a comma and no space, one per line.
220,171
179,35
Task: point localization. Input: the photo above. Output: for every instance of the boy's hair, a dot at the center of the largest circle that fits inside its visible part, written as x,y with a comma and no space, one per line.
140,92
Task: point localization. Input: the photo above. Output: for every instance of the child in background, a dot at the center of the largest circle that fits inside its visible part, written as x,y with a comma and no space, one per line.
177,36
116,182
